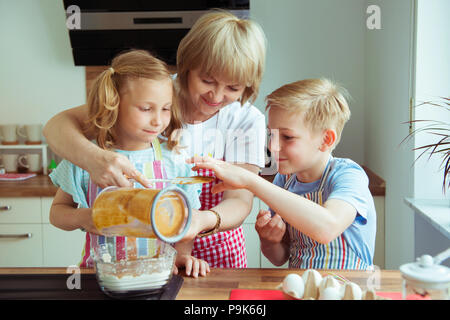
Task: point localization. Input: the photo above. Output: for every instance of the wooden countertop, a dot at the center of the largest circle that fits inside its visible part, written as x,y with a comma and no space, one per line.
42,186
218,284
38,186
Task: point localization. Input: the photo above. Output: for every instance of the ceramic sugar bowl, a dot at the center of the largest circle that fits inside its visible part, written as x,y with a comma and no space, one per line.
427,277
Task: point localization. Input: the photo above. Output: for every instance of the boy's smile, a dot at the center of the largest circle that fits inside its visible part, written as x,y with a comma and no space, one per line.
295,146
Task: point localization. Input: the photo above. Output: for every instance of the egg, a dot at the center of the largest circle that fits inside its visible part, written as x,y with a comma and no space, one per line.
312,280
352,291
330,293
293,285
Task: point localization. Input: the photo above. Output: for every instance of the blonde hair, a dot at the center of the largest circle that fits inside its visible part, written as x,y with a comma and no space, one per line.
221,43
321,101
104,96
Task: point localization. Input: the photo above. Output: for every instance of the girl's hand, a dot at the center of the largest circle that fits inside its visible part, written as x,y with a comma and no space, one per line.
193,266
269,228
86,223
110,168
232,176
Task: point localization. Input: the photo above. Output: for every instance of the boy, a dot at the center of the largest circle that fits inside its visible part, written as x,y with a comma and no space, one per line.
322,214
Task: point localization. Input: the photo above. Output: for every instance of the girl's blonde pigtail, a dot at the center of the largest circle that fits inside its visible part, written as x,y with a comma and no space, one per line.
104,102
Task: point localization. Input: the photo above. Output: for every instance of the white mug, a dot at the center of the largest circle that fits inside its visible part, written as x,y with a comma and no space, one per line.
32,132
10,161
32,162
8,133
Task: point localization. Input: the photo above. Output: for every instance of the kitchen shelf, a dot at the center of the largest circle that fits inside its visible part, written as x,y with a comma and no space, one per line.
42,147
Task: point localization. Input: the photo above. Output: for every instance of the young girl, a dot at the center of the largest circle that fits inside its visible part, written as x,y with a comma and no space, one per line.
133,111
322,213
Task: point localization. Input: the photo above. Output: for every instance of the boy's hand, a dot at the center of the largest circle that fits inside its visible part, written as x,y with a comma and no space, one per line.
269,228
232,176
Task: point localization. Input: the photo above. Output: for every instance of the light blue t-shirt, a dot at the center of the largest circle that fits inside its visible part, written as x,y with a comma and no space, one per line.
75,181
346,181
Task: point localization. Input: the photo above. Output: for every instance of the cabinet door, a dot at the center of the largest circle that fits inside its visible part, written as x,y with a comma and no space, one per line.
62,248
252,245
20,245
251,237
20,210
46,203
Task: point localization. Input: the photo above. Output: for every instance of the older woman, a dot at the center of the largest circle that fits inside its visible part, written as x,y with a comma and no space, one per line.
220,64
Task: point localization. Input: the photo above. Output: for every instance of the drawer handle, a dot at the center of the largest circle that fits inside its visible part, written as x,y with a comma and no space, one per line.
16,236
5,208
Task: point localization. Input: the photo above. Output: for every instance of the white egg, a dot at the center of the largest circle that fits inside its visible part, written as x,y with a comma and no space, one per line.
330,293
293,285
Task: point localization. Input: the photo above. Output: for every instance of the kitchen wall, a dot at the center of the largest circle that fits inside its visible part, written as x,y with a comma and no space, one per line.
37,75
388,61
311,39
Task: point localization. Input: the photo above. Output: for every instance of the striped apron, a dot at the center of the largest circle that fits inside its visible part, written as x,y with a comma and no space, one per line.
306,253
125,247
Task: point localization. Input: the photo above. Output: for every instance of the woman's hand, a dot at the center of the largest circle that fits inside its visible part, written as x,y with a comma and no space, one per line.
232,176
200,222
110,168
271,229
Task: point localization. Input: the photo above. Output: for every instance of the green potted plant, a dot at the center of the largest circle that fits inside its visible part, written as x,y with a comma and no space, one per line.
440,130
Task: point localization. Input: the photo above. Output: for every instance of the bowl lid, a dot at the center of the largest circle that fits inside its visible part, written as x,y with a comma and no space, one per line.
426,272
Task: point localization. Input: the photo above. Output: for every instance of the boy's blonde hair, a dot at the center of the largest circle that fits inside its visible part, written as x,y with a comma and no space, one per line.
321,101
104,96
220,43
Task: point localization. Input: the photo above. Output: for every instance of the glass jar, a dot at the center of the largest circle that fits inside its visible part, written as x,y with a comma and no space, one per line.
144,213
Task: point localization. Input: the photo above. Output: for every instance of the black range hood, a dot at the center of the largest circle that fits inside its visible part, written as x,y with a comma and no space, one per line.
108,27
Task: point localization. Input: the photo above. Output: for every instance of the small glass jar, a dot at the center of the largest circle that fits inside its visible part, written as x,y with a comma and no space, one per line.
425,279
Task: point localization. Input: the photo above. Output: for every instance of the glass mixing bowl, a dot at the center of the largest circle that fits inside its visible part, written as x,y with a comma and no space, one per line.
143,266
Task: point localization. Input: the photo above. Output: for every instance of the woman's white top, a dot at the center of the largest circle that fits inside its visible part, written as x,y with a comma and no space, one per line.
237,133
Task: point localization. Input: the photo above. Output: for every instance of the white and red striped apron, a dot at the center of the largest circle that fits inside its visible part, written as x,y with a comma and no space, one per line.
125,247
306,253
223,249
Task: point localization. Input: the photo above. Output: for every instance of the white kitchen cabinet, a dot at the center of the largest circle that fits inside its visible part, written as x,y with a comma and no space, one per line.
20,232
27,239
251,236
20,245
61,248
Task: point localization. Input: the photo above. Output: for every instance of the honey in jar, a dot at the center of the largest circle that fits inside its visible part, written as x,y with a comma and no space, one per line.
144,213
